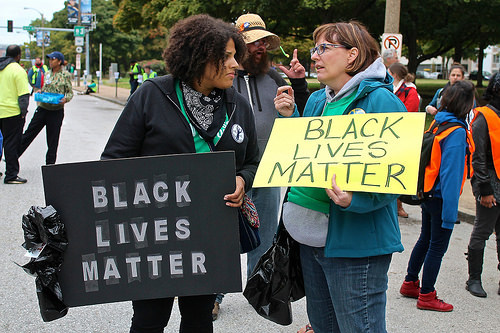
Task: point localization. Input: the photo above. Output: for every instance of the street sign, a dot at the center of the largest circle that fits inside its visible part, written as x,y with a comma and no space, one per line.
78,61
392,41
79,31
79,49
29,28
79,41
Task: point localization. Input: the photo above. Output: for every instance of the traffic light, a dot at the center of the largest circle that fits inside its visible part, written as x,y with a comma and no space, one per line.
10,26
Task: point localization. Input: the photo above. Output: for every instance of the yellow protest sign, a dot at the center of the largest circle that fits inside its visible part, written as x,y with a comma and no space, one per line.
375,152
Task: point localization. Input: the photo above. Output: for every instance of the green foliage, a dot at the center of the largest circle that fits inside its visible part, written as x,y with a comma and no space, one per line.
156,65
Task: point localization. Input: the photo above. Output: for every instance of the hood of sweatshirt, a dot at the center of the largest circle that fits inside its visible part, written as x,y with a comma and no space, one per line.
445,116
376,71
4,61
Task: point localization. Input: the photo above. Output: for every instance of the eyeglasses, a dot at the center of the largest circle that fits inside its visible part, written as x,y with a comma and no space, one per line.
260,42
321,48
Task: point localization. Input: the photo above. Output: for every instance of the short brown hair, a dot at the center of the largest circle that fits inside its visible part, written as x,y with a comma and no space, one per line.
351,34
197,41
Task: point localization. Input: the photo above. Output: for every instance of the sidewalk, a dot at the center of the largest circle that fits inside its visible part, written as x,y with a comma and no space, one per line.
108,93
467,205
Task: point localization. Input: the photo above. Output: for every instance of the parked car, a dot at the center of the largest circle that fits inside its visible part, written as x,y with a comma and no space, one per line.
473,75
423,75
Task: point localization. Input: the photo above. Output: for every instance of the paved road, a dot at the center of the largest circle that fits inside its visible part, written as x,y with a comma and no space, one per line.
87,125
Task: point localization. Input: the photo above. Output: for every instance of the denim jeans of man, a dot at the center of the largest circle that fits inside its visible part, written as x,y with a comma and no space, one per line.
267,202
430,247
345,294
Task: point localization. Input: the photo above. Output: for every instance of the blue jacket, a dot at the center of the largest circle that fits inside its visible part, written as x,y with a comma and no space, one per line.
451,170
369,226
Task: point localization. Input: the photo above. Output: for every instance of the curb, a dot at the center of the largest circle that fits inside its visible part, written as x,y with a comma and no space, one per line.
466,215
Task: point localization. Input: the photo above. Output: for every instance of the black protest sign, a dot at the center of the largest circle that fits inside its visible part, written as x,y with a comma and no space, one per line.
144,228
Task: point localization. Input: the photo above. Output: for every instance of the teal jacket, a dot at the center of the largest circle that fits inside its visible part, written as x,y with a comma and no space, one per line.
369,226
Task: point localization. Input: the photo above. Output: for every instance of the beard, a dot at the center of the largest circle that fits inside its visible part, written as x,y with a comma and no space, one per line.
254,66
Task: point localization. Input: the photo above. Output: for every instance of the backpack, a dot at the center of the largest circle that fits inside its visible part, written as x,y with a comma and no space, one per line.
425,158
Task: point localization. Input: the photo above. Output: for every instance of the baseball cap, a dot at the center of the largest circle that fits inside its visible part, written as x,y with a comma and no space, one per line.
253,28
57,55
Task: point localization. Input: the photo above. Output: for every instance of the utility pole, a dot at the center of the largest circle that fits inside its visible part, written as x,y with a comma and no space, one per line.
392,13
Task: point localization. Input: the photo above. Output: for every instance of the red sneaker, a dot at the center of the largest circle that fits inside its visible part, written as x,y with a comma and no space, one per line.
430,301
410,289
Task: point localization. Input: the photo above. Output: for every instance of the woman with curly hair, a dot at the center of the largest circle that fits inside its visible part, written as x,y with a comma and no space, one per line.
192,110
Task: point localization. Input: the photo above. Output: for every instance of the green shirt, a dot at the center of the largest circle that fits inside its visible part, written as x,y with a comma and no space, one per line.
59,83
312,197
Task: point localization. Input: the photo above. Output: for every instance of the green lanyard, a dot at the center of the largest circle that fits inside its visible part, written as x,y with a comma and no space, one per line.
200,144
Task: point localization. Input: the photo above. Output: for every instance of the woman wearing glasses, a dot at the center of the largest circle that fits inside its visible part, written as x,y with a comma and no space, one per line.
347,238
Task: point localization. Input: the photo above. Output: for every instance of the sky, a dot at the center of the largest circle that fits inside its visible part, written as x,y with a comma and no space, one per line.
14,10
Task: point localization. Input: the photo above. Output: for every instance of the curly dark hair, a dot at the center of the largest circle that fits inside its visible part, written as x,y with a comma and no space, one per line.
197,41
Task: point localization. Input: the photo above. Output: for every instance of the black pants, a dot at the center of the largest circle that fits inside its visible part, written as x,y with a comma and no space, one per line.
12,131
151,316
487,220
133,85
52,119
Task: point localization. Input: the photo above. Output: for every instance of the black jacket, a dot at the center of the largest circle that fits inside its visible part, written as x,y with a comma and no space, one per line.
484,181
152,123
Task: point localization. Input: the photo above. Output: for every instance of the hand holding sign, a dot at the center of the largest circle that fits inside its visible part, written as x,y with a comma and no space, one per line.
296,71
235,199
284,101
341,198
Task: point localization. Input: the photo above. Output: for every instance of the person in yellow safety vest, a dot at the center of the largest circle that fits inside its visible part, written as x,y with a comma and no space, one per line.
148,73
134,72
36,74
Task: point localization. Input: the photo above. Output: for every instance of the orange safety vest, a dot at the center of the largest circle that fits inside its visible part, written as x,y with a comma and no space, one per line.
432,170
493,122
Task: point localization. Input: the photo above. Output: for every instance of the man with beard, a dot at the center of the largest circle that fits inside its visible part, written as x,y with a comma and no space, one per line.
258,83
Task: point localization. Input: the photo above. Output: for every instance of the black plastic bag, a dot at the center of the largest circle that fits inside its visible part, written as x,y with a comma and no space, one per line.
45,238
277,280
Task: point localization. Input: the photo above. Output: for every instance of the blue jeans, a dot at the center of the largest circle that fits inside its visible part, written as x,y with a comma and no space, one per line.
345,294
267,202
430,247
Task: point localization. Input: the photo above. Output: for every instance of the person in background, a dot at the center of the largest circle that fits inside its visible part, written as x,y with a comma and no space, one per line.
444,180
457,73
346,238
91,88
408,95
57,80
14,100
390,57
485,184
258,82
134,72
192,110
36,74
148,73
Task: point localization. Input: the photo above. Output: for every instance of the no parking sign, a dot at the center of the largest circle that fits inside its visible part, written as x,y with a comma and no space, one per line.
392,41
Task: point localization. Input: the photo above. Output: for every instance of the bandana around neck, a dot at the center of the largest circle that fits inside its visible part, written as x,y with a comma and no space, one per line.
205,112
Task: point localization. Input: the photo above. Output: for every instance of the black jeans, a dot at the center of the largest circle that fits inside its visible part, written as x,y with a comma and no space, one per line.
487,220
151,316
12,131
52,120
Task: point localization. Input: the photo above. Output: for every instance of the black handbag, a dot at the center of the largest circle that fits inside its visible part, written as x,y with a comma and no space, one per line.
249,225
277,280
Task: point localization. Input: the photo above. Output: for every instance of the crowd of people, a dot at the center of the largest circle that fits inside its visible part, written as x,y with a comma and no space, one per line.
222,87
